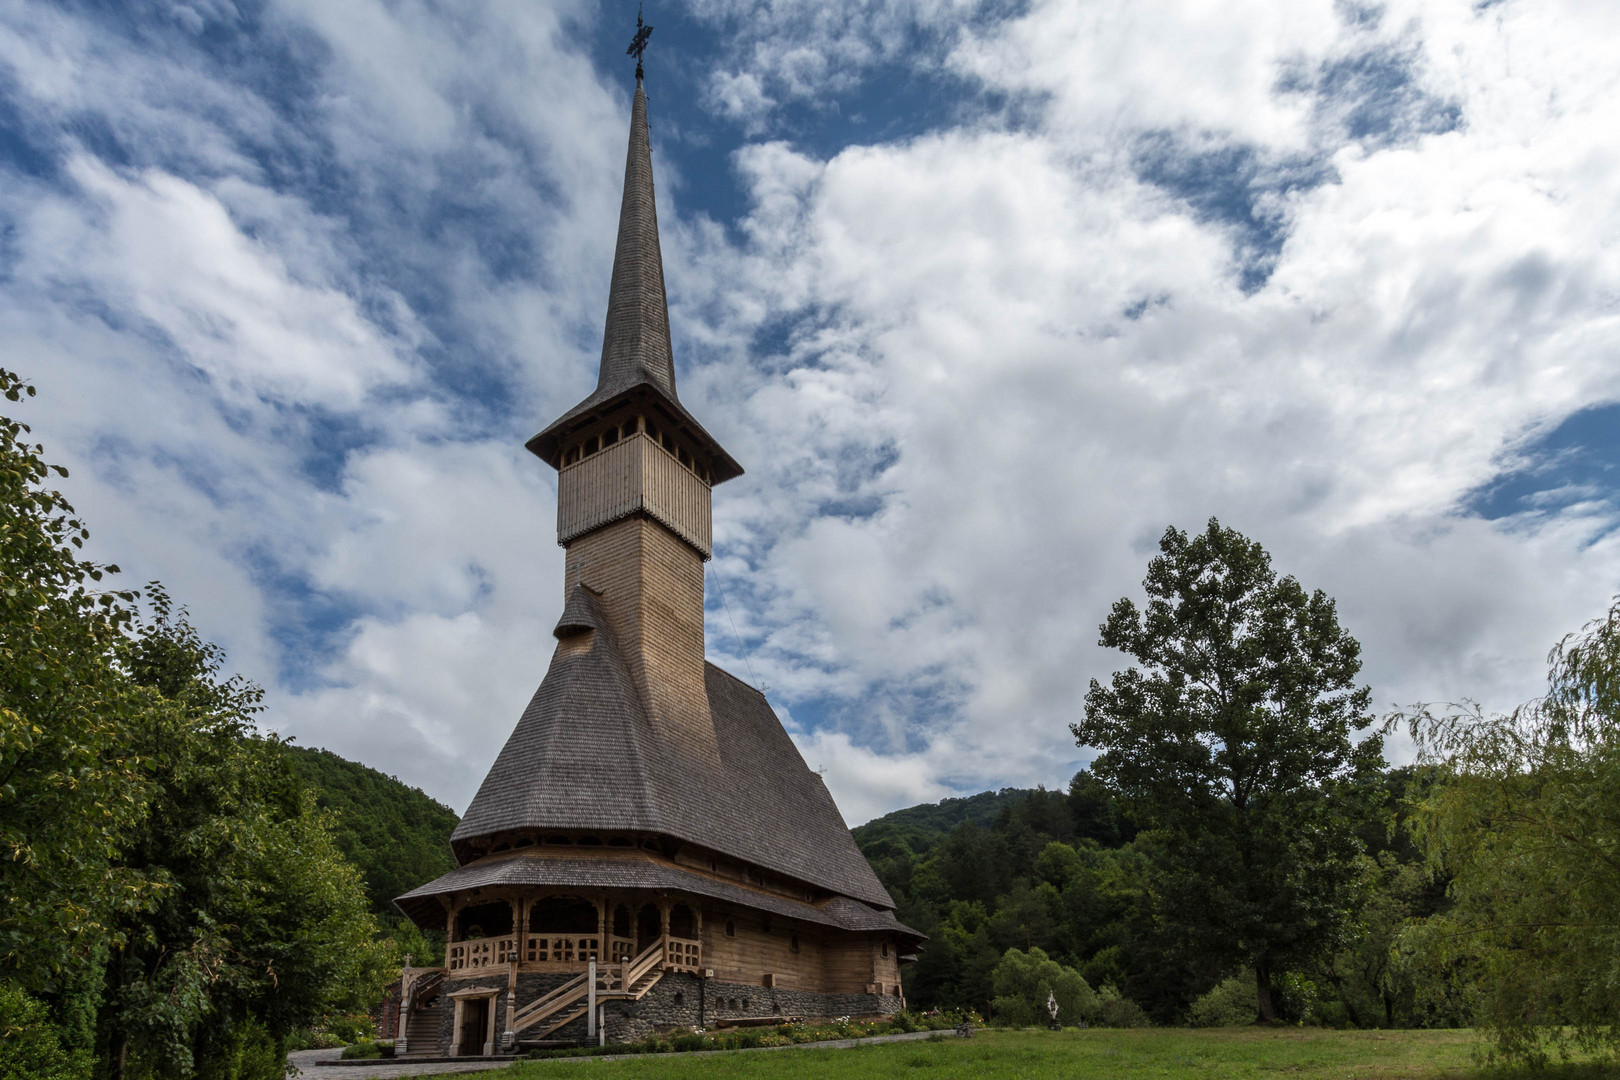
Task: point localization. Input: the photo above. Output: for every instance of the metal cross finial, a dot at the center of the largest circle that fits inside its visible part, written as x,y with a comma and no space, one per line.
638,44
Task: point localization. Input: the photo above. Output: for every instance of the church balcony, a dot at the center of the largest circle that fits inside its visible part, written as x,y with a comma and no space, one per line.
470,957
552,932
563,952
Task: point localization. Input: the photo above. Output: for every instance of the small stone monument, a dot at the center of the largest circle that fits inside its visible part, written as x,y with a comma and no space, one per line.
1052,1009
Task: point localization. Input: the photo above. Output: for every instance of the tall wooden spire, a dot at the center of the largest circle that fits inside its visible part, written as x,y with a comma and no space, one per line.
637,372
635,341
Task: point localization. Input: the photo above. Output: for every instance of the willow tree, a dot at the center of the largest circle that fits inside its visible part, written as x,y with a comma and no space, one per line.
1233,740
1525,818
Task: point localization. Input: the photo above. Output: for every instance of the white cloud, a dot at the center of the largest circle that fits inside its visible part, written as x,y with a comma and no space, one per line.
973,374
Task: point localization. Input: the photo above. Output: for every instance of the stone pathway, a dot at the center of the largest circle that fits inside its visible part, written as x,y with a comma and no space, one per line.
388,1070
305,1064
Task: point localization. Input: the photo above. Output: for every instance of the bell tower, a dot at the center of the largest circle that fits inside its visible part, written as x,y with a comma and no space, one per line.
634,474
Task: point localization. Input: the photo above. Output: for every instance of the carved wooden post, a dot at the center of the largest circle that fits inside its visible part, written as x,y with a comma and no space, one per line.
603,950
590,1000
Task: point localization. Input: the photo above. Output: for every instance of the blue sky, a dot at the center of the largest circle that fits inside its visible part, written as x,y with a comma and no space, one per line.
983,295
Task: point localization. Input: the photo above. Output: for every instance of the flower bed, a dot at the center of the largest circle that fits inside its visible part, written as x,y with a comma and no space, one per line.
843,1027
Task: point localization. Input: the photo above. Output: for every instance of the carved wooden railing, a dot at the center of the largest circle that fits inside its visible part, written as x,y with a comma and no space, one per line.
621,949
567,949
475,955
682,954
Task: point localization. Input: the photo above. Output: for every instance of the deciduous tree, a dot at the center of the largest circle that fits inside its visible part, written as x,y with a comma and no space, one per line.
1234,739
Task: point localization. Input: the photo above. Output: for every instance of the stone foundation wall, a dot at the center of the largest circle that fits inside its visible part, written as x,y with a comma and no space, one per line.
675,1001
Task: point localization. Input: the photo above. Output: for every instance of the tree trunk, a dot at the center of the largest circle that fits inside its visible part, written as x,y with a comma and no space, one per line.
1262,988
120,1055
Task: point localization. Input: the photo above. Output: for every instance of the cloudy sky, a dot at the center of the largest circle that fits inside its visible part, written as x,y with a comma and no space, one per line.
983,295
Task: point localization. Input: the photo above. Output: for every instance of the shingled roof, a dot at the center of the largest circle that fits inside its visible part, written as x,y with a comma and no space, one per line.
641,870
584,756
637,360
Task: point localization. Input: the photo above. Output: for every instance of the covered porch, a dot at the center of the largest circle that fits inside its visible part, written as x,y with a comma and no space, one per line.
563,931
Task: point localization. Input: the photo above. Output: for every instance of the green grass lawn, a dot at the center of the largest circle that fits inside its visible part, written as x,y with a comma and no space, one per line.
1142,1054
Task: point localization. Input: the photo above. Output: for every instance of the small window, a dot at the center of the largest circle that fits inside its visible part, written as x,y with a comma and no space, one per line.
590,445
667,442
610,436
685,458
793,943
885,948
766,926
731,928
589,841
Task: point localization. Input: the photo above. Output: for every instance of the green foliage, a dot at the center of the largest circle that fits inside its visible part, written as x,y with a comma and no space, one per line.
247,1051
365,1048
69,785
1231,1003
168,892
1022,983
395,834
1115,1010
921,828
1524,814
31,1045
1232,740
261,916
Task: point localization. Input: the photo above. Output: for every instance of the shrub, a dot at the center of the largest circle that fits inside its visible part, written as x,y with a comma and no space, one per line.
30,1046
362,1049
1232,1002
1296,999
1115,1010
247,1052
1022,983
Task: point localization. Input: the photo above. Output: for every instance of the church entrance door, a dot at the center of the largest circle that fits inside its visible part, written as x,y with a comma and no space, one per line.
474,1019
649,927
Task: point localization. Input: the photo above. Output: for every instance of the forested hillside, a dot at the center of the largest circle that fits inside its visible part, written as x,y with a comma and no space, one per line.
920,828
395,834
1067,873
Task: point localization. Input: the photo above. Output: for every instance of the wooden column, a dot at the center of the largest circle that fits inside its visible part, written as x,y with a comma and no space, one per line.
455,1027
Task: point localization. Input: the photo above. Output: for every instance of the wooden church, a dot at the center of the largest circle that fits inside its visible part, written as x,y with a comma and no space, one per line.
648,819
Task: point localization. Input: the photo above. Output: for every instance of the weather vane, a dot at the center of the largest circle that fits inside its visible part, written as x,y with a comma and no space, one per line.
638,44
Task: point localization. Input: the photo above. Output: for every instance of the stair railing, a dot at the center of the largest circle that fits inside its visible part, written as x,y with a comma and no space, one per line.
540,1008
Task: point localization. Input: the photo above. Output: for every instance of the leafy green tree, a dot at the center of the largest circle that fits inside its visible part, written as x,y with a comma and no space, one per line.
1023,981
1233,740
1525,817
262,926
395,834
31,1047
69,786
171,902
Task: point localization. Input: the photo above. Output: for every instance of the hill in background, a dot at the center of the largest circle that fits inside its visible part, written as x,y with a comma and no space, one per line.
920,829
397,835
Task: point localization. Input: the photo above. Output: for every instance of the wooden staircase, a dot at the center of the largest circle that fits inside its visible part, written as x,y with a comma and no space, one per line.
422,1022
628,981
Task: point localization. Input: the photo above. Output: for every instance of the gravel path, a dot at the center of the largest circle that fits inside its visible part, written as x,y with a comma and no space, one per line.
387,1070
306,1064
